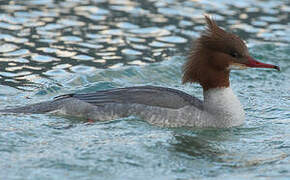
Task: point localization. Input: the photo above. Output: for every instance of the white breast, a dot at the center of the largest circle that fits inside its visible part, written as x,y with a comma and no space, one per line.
224,106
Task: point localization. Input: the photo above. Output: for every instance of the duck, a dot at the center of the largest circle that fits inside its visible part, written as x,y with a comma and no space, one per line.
212,57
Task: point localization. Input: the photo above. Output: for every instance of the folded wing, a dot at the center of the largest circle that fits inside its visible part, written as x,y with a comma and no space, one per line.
146,95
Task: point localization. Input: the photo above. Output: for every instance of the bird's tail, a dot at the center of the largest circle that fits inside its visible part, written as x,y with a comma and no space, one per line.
37,108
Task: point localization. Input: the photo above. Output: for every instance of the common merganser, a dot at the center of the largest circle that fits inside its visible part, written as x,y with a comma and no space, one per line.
212,57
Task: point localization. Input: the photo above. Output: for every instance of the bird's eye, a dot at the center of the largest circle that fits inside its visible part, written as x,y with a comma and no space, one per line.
234,54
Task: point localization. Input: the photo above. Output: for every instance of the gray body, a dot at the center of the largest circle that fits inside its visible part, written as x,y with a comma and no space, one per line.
157,105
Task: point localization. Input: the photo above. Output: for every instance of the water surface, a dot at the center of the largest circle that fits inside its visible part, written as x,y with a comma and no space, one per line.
48,48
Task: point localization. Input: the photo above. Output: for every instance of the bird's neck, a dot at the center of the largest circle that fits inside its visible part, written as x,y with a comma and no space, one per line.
213,79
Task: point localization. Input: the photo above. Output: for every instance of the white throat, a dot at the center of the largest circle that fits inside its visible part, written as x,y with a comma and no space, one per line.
224,106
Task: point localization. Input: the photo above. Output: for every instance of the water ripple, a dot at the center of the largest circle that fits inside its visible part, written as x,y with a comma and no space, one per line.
7,48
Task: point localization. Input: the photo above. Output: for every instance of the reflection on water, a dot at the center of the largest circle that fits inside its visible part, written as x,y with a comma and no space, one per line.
50,38
51,47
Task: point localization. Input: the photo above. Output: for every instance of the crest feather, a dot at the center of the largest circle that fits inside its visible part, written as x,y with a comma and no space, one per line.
213,39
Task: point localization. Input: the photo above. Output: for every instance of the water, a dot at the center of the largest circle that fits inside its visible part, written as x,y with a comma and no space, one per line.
48,48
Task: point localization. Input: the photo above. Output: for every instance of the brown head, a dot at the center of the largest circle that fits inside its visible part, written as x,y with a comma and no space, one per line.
214,54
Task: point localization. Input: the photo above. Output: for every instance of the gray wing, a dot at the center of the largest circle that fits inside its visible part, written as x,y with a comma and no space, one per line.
146,95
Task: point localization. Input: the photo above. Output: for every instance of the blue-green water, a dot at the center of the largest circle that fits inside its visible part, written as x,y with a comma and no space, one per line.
48,48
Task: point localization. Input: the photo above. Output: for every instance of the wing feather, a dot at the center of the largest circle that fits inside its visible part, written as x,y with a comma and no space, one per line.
146,95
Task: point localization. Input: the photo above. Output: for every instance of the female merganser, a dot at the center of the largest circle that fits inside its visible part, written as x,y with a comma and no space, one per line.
212,57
